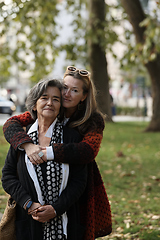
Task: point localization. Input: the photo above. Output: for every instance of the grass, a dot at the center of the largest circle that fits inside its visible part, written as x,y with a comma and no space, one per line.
4,146
129,161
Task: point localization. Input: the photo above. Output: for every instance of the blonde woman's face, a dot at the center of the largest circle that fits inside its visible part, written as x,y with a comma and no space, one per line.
72,93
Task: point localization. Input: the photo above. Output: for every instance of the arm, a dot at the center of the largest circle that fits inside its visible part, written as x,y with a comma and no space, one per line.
10,181
14,132
17,137
83,152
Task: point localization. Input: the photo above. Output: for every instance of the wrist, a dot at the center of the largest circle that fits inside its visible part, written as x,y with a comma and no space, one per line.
28,205
26,145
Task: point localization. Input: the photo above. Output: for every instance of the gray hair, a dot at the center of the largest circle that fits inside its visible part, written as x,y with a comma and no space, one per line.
37,91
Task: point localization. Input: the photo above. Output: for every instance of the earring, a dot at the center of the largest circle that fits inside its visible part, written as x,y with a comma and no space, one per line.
80,106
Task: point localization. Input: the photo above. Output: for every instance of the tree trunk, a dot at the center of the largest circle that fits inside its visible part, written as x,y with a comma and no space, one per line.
97,55
154,72
136,15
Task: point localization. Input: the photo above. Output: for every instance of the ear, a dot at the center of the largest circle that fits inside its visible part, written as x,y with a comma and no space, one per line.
35,108
84,97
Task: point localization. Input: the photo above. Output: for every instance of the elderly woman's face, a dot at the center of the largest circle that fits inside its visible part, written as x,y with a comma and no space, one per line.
48,105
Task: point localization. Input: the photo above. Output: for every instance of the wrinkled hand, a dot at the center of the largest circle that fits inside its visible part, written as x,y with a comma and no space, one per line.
32,151
44,213
33,208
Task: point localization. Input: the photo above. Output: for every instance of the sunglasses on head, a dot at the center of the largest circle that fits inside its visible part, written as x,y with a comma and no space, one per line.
82,72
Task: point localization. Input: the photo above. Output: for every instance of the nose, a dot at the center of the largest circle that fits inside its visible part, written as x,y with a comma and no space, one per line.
49,101
67,92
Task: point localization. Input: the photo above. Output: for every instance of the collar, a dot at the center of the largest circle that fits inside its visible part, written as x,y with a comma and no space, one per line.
65,120
34,128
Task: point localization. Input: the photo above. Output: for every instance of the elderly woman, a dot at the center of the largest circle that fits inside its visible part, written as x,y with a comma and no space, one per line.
46,194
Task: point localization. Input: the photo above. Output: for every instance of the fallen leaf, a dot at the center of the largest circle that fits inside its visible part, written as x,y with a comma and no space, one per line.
120,154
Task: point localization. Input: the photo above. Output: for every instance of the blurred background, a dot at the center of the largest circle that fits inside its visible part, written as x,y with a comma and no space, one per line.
116,40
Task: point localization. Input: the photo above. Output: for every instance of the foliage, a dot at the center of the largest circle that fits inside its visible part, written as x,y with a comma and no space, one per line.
34,29
31,26
131,111
152,44
139,54
4,69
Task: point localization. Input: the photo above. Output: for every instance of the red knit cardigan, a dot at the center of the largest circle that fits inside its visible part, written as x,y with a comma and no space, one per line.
94,204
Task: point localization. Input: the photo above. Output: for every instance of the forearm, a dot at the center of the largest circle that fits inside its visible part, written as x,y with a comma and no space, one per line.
10,181
13,129
79,153
16,191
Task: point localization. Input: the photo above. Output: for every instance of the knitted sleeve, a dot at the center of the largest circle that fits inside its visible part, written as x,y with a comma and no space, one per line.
83,152
13,129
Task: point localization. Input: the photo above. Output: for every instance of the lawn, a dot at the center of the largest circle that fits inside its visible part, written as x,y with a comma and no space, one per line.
129,161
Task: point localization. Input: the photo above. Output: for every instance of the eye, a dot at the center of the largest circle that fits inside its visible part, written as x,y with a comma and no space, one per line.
56,100
74,90
43,97
65,87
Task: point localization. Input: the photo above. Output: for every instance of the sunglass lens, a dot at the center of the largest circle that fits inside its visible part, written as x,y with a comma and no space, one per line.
72,69
83,72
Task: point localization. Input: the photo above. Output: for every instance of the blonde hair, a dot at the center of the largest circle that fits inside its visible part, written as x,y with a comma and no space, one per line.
89,104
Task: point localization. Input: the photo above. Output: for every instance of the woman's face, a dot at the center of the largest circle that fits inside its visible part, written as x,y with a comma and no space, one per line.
48,105
72,93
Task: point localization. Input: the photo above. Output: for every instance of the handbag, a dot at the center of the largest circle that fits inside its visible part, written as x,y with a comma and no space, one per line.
7,224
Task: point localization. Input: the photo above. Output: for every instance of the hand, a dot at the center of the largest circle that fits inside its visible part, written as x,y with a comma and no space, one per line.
44,213
32,151
33,208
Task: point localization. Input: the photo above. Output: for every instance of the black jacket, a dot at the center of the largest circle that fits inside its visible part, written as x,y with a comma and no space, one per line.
22,188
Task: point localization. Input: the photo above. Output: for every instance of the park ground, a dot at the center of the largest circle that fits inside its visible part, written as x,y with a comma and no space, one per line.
129,160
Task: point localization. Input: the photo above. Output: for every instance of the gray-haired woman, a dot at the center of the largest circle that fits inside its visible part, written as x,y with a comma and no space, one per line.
46,194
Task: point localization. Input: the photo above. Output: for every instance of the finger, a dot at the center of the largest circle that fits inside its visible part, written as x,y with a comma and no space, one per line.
44,159
35,217
34,213
37,159
32,161
41,209
44,155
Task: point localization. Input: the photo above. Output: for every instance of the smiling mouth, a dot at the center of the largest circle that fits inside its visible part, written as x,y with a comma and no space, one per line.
49,109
